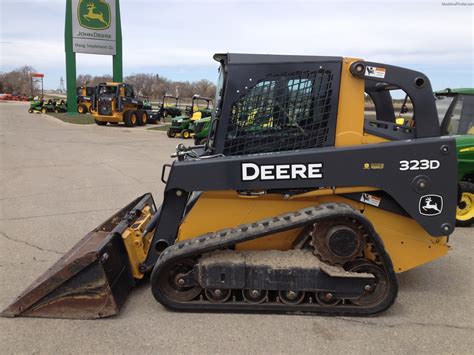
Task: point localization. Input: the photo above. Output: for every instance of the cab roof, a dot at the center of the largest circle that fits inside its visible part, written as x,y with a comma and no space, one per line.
243,58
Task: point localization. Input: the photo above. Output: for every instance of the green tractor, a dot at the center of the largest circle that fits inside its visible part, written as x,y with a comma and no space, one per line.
456,111
263,122
169,107
182,124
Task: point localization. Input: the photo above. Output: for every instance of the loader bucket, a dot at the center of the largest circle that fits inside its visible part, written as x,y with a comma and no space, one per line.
92,280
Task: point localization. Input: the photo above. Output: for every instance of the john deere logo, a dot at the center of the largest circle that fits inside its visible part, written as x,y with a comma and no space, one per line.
94,14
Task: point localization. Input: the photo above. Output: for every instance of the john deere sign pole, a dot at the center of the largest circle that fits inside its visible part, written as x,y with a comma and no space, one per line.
70,62
117,58
94,27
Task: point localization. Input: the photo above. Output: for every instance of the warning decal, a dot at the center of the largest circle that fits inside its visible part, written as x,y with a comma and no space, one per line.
375,72
370,199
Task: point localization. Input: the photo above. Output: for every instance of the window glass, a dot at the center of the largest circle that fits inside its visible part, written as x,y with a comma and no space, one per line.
129,91
462,120
442,105
282,112
107,90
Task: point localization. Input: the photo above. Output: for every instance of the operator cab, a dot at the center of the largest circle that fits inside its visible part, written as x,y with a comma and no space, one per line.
456,111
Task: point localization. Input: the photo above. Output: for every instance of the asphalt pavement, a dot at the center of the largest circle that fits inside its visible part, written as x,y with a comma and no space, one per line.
59,180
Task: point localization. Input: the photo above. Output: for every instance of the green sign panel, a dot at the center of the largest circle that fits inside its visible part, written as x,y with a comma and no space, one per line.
94,26
94,14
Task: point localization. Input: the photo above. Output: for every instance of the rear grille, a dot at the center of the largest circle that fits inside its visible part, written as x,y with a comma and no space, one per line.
105,108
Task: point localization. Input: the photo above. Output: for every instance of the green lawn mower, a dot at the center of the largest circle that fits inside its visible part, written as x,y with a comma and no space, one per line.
201,130
202,127
456,111
40,106
182,124
60,107
35,106
49,106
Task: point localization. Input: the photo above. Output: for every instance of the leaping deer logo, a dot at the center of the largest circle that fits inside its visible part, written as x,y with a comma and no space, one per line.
429,206
94,14
91,15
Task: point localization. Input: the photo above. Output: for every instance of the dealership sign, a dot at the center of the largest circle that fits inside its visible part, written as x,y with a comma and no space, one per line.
93,26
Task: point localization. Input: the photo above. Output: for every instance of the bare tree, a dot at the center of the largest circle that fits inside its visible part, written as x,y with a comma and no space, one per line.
18,81
84,80
152,85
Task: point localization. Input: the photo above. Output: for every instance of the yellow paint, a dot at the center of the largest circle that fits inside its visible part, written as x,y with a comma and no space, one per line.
133,118
136,245
350,115
117,116
400,121
331,191
371,139
196,116
144,117
466,213
405,241
349,190
88,104
225,209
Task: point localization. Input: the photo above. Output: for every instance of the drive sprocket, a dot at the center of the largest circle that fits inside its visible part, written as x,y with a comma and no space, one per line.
338,241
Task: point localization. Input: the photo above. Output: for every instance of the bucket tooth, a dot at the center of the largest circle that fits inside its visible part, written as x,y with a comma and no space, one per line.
92,280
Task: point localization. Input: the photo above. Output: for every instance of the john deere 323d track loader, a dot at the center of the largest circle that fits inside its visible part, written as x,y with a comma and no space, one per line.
296,204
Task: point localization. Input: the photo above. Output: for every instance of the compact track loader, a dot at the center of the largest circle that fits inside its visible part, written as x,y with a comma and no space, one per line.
295,204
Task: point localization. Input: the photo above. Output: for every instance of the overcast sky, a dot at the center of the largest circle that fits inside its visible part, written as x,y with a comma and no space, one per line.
177,39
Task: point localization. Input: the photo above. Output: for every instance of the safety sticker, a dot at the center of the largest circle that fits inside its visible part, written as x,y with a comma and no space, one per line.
375,72
370,199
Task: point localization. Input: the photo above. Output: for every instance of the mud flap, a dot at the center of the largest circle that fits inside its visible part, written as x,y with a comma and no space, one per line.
92,280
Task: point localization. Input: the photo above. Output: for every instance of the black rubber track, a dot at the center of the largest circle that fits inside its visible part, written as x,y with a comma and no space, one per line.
228,237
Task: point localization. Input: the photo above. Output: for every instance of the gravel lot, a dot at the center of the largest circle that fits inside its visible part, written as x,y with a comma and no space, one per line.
58,181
